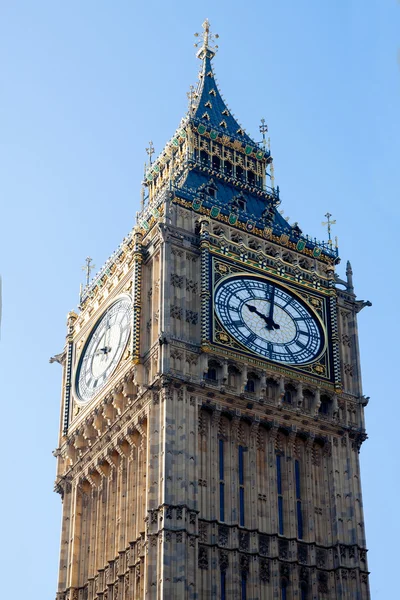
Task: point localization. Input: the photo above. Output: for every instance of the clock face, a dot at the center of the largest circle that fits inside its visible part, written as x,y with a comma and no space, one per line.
104,349
269,320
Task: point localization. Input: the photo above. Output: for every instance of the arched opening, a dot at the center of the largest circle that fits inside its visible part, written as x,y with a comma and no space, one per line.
233,376
251,384
213,371
308,400
228,168
303,590
290,394
216,162
324,408
239,173
203,157
271,387
251,178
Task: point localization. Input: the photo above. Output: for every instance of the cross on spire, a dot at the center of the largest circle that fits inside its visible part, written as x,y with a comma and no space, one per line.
208,40
88,268
150,150
263,129
328,223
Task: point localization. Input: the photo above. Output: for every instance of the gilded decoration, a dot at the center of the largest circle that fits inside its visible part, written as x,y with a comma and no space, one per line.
222,342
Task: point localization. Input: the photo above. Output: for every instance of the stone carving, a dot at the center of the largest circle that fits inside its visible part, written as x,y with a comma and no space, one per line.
223,560
176,312
303,574
203,532
223,533
192,518
321,558
322,582
302,553
179,536
203,557
265,573
176,280
192,317
263,544
191,286
283,547
244,563
284,570
244,540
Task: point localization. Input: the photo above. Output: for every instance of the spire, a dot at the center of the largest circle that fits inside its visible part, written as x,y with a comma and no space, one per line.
209,108
349,276
208,39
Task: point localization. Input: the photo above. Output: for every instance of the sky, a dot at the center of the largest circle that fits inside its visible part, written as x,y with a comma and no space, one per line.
84,86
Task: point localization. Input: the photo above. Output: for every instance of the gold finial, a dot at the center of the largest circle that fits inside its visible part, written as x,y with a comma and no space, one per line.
88,268
150,150
191,96
208,39
328,225
263,129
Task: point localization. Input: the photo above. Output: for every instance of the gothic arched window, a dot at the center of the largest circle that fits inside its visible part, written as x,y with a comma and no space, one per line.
290,394
216,162
324,408
233,376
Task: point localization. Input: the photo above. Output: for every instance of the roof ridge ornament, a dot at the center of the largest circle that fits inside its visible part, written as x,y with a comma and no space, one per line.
209,46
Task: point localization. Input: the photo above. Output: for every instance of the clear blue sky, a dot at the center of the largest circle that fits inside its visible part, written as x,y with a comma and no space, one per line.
84,87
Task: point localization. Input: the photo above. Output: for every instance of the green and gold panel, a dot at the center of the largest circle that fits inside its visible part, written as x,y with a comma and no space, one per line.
269,320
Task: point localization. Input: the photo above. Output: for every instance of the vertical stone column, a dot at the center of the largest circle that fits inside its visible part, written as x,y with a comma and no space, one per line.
136,294
65,489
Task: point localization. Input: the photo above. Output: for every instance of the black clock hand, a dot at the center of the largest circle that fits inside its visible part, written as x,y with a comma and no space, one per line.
254,310
271,311
269,322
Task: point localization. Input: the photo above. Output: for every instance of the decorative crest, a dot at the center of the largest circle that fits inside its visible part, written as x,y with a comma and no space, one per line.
88,268
150,150
208,41
328,225
263,129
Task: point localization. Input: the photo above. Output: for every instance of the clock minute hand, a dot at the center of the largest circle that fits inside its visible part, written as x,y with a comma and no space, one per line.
272,323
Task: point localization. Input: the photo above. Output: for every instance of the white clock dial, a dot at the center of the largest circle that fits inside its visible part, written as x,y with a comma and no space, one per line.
104,349
268,320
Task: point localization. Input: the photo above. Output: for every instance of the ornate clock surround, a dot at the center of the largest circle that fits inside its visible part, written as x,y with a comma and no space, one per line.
321,301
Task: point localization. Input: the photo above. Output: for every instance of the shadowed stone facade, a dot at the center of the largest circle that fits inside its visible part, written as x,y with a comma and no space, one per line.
201,469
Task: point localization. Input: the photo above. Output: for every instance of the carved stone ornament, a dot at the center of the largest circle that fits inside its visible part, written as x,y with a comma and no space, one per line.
284,570
244,563
203,557
263,543
322,582
203,530
265,572
303,574
244,540
223,533
223,560
302,553
321,558
283,549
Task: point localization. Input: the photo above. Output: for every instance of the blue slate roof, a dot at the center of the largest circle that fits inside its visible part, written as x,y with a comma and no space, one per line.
226,192
218,113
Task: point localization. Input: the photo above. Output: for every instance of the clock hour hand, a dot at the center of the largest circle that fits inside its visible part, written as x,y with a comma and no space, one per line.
268,320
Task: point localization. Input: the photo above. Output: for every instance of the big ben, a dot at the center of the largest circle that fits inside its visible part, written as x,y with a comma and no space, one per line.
212,411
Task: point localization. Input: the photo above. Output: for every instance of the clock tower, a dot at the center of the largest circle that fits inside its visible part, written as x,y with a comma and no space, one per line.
212,411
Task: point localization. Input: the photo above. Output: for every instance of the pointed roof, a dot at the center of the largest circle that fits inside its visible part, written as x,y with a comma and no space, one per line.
209,108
